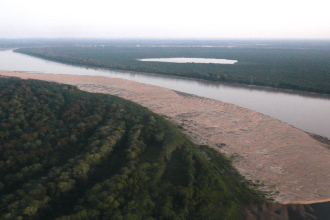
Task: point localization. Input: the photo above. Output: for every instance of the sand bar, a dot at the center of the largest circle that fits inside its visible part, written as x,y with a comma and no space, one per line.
265,150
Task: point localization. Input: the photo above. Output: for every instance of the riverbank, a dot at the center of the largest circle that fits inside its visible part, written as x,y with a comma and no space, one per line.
304,70
266,151
288,107
209,82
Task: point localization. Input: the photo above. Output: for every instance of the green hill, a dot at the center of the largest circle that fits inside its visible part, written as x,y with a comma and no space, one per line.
69,154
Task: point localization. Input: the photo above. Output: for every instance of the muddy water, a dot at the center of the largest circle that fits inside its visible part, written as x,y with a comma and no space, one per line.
307,111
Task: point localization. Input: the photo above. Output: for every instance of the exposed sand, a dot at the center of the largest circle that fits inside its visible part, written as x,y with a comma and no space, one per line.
265,150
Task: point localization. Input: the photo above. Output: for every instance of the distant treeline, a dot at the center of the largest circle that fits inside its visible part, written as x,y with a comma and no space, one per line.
288,66
68,154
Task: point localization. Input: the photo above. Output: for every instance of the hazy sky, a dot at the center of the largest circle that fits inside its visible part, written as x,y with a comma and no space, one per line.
164,19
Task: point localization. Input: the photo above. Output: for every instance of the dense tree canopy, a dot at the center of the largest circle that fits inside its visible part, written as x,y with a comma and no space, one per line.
297,65
69,154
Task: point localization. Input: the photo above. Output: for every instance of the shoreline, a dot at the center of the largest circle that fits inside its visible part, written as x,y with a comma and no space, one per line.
306,202
236,85
320,138
268,152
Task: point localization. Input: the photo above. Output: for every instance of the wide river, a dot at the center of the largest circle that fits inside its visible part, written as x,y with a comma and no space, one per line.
307,111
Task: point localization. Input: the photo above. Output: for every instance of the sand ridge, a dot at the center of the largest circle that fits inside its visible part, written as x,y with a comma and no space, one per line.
265,150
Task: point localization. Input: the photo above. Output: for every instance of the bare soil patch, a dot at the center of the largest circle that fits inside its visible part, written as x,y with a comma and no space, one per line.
268,152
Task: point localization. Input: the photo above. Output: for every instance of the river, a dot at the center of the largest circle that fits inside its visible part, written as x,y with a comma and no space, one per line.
307,111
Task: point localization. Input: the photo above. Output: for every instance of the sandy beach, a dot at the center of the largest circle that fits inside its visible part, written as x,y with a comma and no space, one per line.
278,156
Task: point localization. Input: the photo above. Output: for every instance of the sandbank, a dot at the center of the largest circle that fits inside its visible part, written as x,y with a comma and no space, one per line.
269,152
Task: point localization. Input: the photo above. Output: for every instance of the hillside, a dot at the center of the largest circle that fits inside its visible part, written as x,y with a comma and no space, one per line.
69,154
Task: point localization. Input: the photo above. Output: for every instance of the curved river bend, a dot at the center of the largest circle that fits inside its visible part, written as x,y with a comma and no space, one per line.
307,111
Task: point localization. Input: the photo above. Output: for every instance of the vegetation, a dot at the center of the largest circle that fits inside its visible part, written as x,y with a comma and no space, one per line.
68,154
298,65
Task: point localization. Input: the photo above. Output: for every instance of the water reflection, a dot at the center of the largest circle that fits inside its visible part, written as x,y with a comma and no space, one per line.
307,111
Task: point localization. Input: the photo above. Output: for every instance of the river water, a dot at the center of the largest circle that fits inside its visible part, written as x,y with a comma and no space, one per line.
307,111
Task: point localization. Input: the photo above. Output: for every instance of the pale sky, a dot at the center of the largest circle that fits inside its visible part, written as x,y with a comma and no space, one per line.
164,19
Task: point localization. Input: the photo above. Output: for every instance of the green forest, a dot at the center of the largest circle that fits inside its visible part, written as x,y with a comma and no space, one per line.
68,154
295,65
